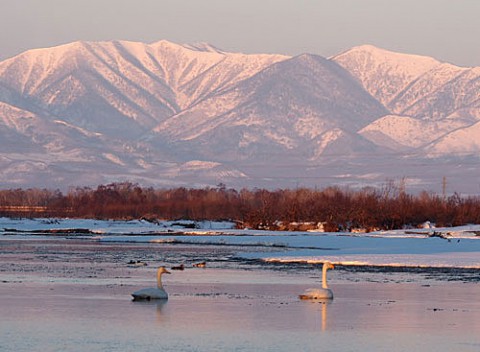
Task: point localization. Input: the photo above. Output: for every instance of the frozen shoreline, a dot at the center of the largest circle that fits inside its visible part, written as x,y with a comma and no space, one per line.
423,248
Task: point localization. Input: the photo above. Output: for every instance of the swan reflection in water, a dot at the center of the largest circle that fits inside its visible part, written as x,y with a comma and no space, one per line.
158,305
324,315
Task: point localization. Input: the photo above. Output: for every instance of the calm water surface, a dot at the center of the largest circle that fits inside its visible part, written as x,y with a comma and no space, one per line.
202,316
78,299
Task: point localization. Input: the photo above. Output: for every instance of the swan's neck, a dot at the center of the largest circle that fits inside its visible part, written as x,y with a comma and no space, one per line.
324,277
159,280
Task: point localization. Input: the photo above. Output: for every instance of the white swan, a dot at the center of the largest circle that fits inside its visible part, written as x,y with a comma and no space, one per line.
320,293
147,294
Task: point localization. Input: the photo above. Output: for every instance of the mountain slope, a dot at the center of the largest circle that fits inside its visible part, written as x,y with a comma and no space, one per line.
293,108
421,132
462,141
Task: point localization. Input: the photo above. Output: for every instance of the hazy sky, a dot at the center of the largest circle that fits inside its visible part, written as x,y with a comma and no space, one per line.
448,30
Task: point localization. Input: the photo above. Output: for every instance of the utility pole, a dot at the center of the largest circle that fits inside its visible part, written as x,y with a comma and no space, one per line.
444,187
402,186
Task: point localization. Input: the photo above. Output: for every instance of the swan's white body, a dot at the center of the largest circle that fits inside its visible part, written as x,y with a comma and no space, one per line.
147,294
320,293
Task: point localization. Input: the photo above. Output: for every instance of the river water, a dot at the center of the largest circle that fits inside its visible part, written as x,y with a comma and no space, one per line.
71,295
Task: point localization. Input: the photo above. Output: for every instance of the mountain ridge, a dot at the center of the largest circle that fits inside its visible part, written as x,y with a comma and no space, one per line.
153,113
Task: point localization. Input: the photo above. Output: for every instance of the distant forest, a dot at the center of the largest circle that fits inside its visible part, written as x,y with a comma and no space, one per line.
335,208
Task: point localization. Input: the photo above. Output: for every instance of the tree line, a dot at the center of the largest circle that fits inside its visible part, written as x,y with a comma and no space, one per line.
336,208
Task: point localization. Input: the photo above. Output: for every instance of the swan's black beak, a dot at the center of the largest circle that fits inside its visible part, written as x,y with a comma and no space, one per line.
167,272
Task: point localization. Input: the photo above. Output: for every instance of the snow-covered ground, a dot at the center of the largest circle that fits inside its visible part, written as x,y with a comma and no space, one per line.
457,247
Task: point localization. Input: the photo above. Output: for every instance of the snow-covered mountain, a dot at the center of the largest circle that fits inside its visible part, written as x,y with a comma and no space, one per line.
296,109
428,99
165,114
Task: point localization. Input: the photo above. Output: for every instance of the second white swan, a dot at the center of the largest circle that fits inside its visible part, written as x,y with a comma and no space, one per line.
147,294
323,293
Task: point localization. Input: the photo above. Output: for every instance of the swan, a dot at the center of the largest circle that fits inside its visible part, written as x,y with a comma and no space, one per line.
320,293
147,294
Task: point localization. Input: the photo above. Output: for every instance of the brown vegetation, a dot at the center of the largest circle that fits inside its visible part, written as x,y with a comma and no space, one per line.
334,208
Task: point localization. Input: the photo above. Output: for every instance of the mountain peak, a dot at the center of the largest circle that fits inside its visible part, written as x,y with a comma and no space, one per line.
166,45
57,50
384,73
196,47
370,52
204,47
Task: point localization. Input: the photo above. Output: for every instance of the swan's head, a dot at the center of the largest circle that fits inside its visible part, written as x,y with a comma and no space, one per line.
163,270
328,265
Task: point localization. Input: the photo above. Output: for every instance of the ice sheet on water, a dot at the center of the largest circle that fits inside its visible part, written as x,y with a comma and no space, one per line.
440,247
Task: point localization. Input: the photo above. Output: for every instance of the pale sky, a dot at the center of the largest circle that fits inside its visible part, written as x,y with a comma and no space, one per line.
448,30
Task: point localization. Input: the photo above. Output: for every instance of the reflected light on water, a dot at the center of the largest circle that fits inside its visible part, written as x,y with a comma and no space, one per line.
240,316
